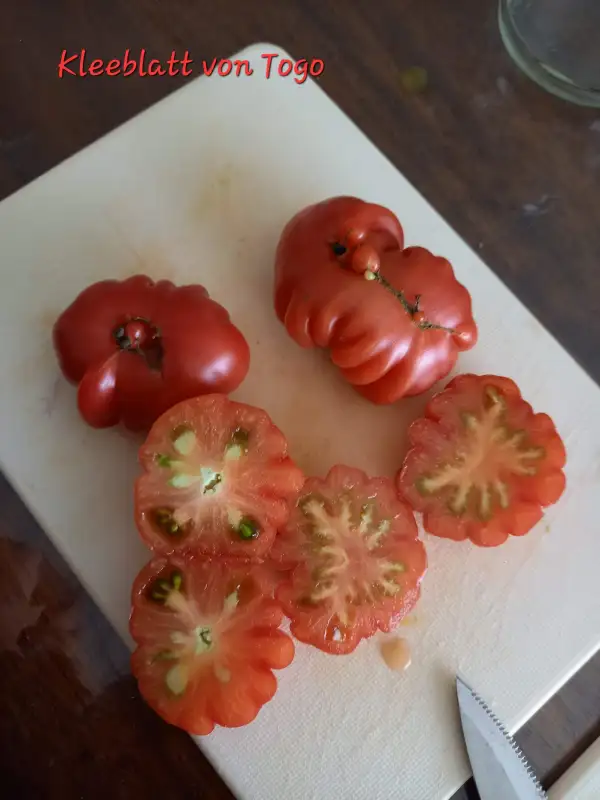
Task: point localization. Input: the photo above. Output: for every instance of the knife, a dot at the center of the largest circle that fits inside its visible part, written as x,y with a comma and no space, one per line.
500,769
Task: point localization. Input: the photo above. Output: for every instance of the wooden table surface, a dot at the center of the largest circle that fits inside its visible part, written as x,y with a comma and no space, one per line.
515,171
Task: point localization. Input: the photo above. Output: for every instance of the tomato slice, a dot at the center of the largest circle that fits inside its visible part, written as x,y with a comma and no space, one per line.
217,479
356,562
481,464
208,640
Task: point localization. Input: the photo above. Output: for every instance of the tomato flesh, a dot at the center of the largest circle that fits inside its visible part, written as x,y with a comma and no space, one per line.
217,479
481,464
208,640
355,561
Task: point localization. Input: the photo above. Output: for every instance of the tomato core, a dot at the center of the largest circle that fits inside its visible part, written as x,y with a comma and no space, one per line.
203,480
343,566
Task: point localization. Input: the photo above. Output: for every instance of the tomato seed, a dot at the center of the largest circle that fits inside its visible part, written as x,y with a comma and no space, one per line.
163,519
248,529
185,443
164,655
180,430
160,589
176,581
240,438
177,679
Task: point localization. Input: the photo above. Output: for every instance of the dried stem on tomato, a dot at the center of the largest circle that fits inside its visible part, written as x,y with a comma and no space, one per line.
412,309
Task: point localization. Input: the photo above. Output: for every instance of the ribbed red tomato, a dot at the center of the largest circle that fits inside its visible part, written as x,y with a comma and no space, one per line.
208,640
135,348
393,319
481,464
217,479
356,562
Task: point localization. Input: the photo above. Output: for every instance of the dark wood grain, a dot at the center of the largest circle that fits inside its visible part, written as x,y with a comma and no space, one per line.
72,724
514,170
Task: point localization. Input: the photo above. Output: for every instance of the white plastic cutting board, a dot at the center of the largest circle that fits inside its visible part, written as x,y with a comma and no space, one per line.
198,189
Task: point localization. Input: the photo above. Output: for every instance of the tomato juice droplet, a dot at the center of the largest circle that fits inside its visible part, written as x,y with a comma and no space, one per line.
396,654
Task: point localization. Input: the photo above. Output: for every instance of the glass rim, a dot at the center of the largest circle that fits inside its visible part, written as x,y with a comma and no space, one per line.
543,75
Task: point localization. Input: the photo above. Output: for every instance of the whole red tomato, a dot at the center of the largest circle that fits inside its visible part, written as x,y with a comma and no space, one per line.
393,319
136,348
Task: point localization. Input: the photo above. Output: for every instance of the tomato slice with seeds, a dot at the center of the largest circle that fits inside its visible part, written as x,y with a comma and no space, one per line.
356,562
481,464
208,639
217,479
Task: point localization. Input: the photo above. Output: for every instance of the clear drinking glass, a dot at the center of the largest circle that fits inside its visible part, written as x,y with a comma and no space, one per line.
556,43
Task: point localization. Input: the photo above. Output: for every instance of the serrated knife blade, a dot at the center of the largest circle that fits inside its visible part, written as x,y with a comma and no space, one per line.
500,769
